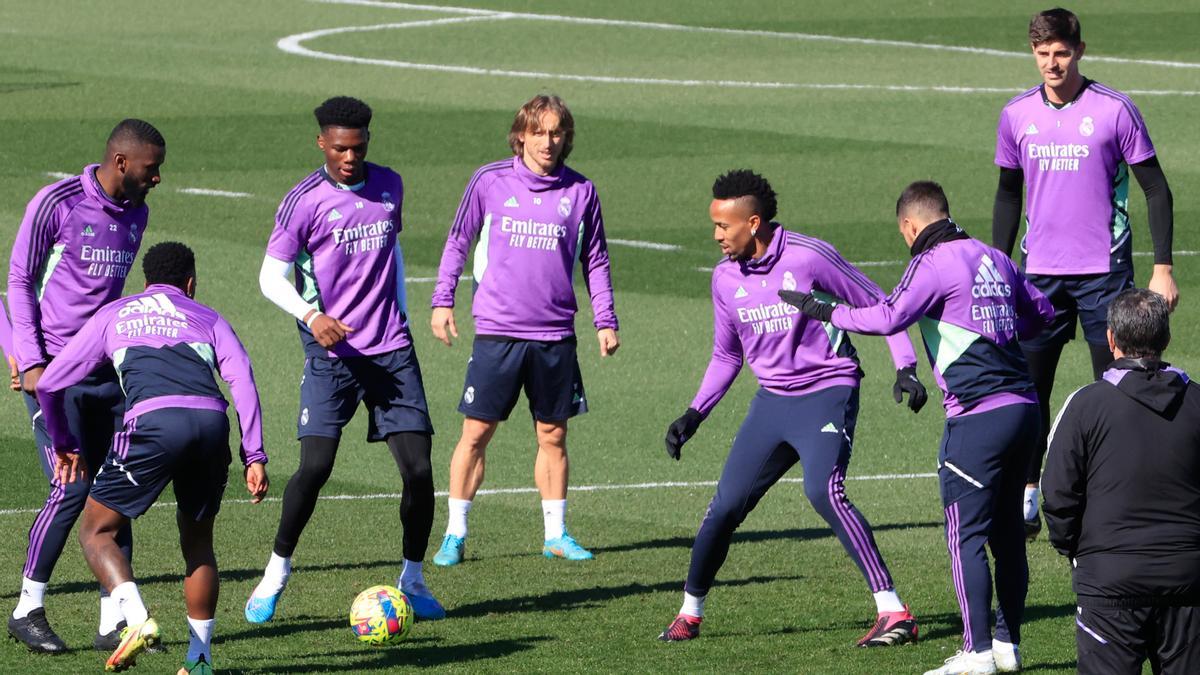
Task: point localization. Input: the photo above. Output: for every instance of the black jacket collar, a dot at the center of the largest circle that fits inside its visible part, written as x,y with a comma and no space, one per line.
936,233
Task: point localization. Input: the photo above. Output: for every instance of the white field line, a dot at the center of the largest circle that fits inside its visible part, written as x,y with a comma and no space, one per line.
812,37
634,243
215,193
887,263
430,280
534,490
292,44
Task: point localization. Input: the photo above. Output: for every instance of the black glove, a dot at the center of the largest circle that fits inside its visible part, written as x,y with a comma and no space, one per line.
907,382
681,430
808,305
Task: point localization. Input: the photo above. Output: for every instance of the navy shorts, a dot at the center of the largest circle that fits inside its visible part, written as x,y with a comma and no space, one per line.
1084,296
188,448
500,367
388,384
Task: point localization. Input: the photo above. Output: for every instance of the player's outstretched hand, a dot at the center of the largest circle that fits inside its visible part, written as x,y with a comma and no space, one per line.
69,466
907,382
329,331
1162,281
609,341
14,375
442,324
257,481
681,430
808,305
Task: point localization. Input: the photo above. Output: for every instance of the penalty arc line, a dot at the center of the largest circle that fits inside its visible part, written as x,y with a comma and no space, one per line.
814,37
533,490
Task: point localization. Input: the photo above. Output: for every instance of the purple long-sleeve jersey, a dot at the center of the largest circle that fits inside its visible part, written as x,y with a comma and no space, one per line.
165,348
972,305
342,241
531,229
789,353
73,251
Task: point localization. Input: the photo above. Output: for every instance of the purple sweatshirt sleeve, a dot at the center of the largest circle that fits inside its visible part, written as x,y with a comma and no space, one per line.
844,281
593,255
915,295
726,359
82,354
468,222
233,364
35,239
1035,312
6,340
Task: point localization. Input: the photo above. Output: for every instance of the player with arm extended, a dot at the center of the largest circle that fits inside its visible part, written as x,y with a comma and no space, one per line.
338,229
534,218
72,253
1072,143
971,304
166,347
806,408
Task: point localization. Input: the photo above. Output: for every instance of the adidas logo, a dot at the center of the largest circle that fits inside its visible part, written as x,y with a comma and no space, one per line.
88,231
512,203
1031,129
988,281
829,428
334,215
741,293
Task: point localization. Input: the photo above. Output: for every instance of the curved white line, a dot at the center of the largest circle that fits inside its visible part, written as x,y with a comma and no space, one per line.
739,31
293,44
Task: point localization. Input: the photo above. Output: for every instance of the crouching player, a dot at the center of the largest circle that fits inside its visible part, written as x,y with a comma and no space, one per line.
165,347
971,303
807,406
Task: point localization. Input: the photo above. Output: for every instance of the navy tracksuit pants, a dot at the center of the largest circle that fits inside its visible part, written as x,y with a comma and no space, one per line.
815,429
981,467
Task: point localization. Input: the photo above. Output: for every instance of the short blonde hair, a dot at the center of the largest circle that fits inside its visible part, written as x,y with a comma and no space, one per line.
528,116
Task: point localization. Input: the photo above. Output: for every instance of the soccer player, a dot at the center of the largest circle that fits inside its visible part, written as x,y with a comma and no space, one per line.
534,217
1122,485
165,347
806,408
72,253
338,228
972,304
1072,142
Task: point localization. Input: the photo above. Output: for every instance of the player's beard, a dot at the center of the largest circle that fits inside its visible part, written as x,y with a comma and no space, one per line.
133,191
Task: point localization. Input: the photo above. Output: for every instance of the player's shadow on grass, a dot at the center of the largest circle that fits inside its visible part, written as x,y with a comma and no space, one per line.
585,598
407,654
797,534
949,624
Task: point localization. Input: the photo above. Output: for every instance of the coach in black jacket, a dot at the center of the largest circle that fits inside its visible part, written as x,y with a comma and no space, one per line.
1121,492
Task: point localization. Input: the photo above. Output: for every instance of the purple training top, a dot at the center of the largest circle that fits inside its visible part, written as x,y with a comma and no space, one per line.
165,347
531,229
972,304
343,243
1075,160
72,253
789,353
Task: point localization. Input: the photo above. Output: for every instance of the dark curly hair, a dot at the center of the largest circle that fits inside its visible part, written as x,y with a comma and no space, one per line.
745,183
133,129
343,111
169,262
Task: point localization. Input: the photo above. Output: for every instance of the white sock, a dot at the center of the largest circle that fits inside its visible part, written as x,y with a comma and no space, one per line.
200,639
457,525
129,601
275,576
1031,502
554,513
110,614
888,601
411,574
32,595
693,605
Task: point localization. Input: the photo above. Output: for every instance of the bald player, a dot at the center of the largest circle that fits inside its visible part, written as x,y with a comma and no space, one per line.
73,250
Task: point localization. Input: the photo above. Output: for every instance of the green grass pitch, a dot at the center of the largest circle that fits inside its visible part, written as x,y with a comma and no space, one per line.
235,110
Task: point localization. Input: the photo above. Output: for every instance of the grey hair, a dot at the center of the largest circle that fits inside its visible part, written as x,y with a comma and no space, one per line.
1140,323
